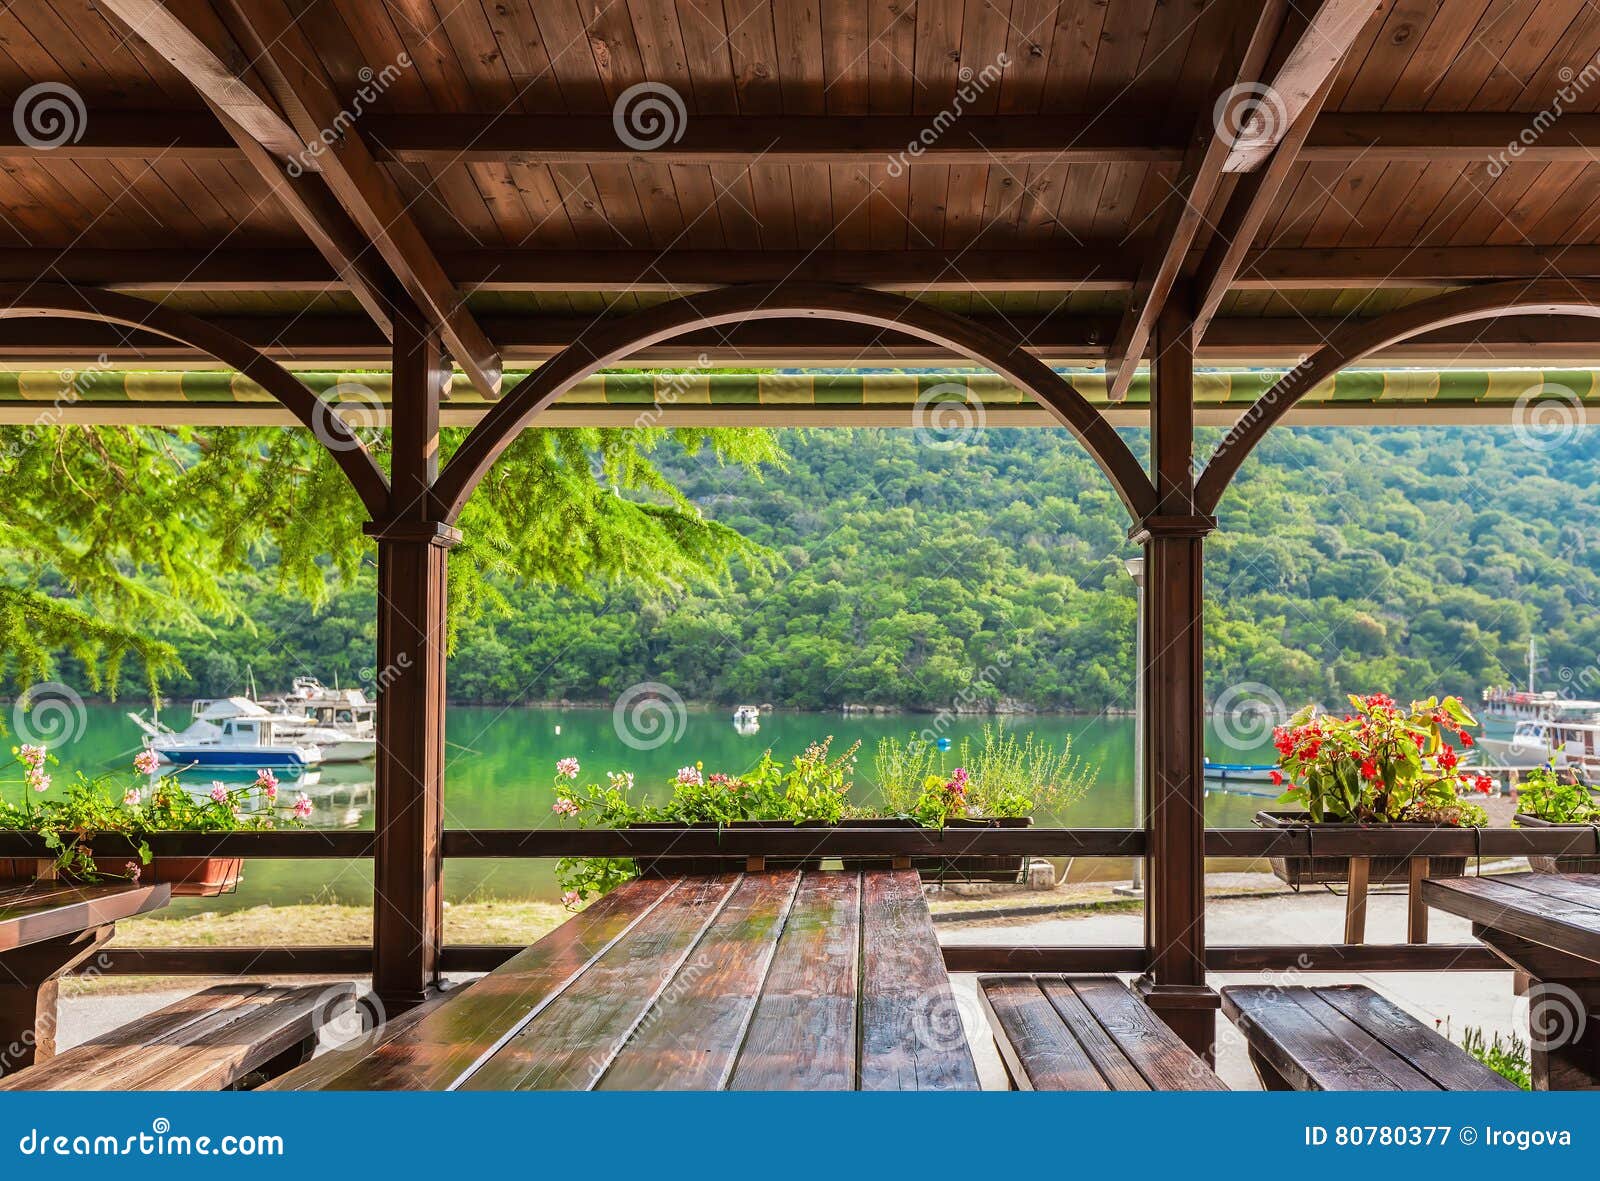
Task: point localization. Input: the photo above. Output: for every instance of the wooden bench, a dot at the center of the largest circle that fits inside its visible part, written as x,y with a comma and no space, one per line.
230,1036
1087,1033
1345,1037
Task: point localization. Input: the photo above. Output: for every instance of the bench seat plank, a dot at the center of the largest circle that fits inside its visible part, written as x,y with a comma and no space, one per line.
1087,1033
207,1041
1346,1037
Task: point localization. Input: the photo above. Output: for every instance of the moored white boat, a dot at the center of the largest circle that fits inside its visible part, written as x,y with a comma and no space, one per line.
231,733
340,721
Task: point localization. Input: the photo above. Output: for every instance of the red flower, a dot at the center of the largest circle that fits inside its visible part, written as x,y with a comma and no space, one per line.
1485,784
1447,758
1277,779
1369,769
1466,739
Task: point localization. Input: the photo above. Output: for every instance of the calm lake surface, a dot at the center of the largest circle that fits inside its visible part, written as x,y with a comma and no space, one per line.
501,769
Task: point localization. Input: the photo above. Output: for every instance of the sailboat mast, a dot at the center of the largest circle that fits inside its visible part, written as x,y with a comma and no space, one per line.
1532,660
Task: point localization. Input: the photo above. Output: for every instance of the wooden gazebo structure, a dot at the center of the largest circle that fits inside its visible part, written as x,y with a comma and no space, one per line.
448,190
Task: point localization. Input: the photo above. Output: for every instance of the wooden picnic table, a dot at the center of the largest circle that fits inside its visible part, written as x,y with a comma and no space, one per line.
797,980
1547,926
47,929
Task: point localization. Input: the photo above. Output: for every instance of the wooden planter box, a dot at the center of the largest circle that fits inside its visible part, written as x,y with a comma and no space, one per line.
1335,871
190,877
1558,862
974,868
669,867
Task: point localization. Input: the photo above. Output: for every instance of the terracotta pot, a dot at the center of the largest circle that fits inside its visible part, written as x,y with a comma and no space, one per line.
189,877
1335,871
973,868
1558,862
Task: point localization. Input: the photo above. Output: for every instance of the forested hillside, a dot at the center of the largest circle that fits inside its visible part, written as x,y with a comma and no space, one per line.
1406,560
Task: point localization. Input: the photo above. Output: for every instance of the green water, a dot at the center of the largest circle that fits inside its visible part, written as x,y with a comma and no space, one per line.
500,775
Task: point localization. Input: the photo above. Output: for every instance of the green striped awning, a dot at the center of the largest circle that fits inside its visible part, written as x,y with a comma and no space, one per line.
791,399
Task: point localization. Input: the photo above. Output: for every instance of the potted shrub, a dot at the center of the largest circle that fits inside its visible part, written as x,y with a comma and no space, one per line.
810,790
996,783
1378,765
1546,800
71,822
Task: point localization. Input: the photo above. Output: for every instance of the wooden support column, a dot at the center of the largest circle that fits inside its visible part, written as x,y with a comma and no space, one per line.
1174,678
413,546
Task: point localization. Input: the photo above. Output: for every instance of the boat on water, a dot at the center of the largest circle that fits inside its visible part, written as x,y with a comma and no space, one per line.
1509,704
344,720
1240,772
231,733
747,719
1562,742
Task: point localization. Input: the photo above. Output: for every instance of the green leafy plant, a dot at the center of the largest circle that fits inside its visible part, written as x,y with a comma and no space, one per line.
1002,777
1544,794
1507,1057
72,819
1380,764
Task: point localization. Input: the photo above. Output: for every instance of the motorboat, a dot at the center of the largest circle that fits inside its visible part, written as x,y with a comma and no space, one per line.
230,733
344,720
747,719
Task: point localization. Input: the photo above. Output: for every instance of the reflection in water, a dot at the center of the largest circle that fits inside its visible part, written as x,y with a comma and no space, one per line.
500,771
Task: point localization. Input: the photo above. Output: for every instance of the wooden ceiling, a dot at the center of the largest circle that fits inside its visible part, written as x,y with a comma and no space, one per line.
1069,177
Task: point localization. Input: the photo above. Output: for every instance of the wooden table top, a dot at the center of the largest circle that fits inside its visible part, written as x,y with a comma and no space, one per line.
32,912
1559,910
762,981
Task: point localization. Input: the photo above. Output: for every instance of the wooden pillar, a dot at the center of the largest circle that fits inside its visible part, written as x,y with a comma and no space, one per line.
413,545
1174,701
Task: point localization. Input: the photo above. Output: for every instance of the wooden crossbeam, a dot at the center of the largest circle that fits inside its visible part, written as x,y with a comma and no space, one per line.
1101,267
260,44
281,51
1293,63
244,111
1455,137
190,36
1184,210
325,341
1301,80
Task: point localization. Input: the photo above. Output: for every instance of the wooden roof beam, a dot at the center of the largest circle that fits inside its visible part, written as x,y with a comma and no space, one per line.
244,111
1097,267
263,33
1300,81
1184,209
1457,137
1302,51
279,48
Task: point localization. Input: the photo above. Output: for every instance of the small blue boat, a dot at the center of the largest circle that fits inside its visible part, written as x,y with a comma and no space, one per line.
1241,772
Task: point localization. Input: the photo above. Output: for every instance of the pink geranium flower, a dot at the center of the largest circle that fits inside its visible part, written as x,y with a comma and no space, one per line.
567,767
146,762
564,807
219,794
130,798
302,807
571,899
